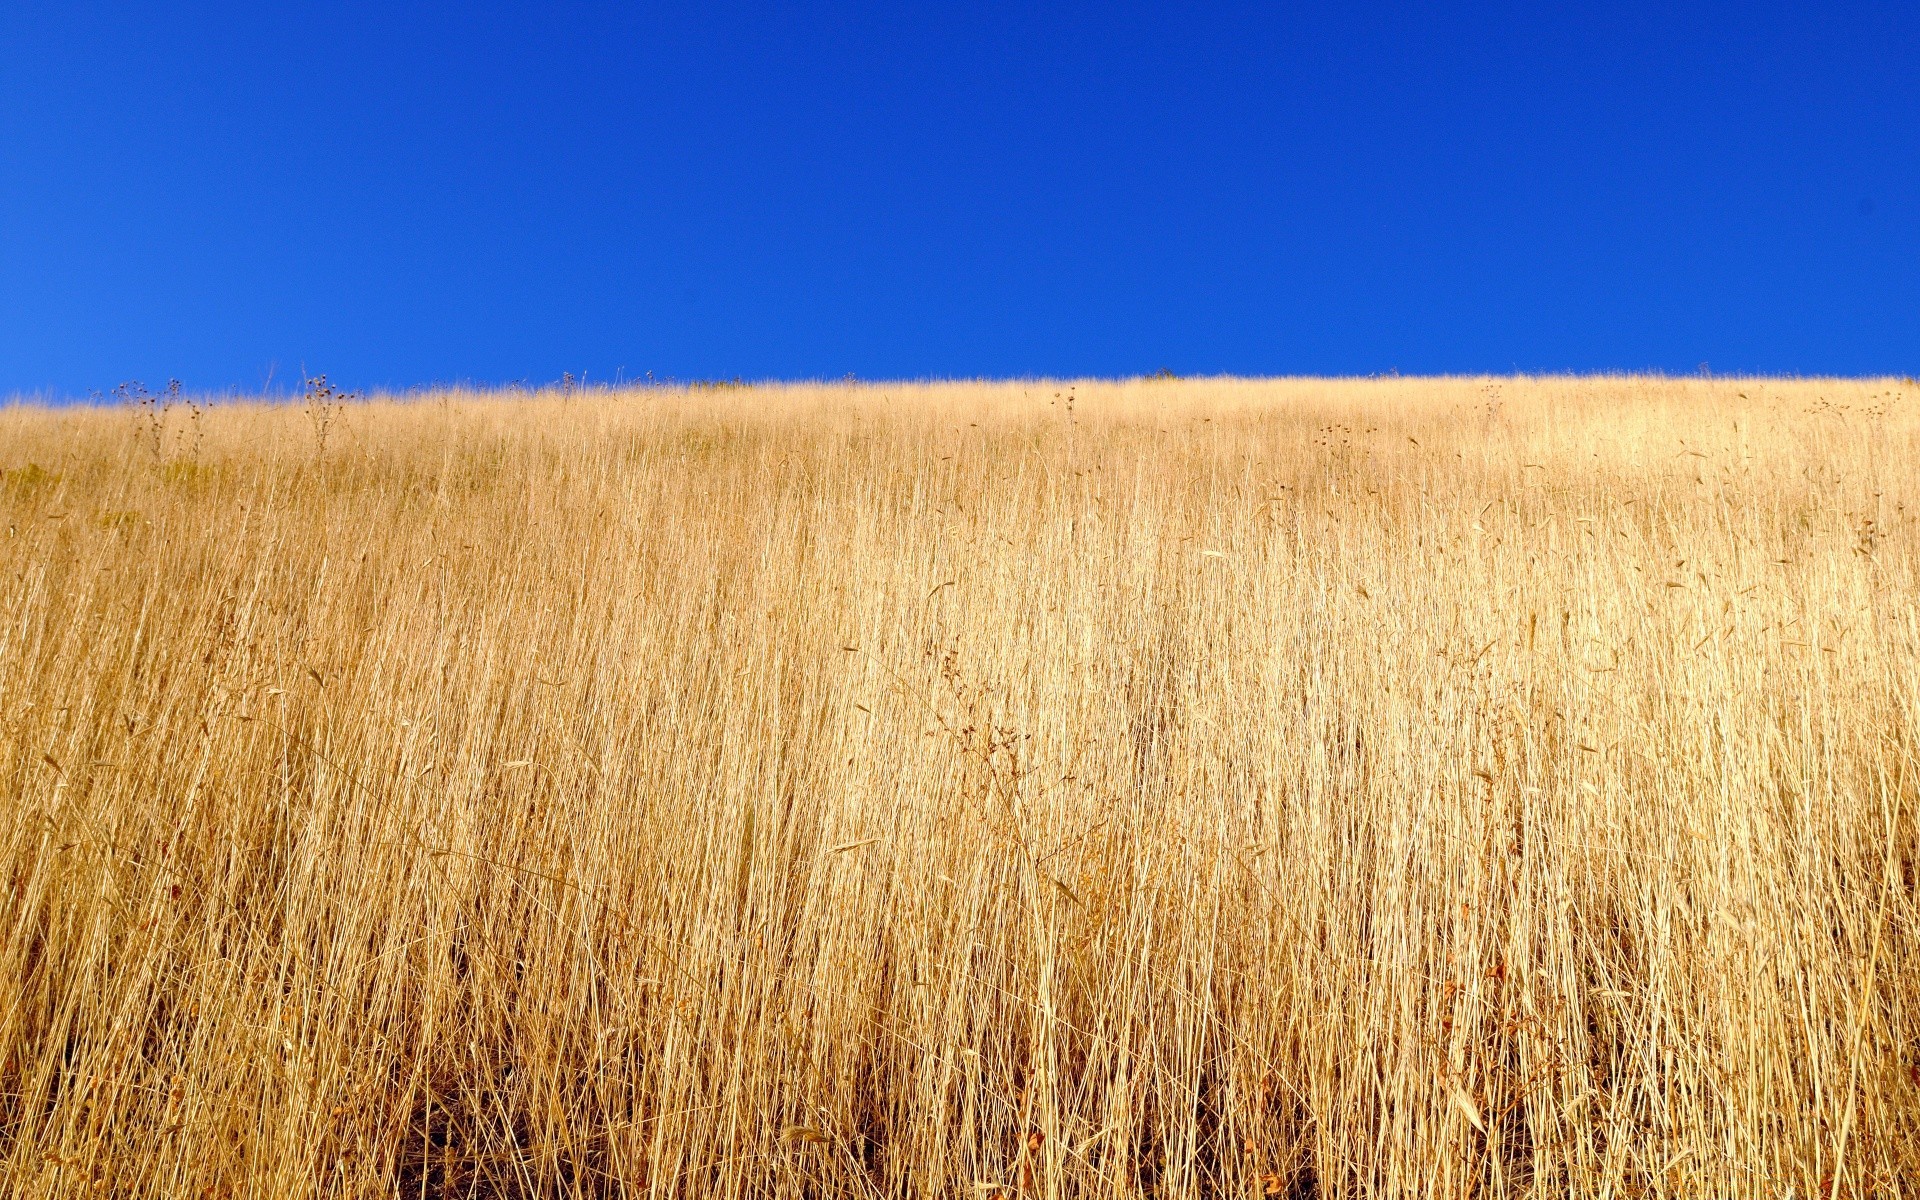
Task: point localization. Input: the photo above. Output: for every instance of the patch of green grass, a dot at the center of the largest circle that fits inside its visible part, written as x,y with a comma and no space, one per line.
186,473
29,478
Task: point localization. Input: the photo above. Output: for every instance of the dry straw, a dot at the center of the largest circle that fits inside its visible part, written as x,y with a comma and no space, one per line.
1285,788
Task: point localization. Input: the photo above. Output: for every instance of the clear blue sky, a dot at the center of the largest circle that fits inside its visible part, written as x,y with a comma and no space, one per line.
400,194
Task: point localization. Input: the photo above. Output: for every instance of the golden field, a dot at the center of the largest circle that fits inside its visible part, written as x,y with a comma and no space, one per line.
1457,787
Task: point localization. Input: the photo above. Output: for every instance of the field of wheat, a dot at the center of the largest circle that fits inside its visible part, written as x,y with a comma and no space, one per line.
1461,787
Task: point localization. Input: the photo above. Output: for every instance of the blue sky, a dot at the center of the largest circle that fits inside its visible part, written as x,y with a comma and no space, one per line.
399,195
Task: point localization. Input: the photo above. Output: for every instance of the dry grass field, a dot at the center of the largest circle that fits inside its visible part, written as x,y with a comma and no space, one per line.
1465,787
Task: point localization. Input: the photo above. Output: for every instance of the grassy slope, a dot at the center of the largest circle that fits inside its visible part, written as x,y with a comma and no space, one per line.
1458,787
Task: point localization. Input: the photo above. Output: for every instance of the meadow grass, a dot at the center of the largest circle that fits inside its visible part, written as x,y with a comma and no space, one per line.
1459,787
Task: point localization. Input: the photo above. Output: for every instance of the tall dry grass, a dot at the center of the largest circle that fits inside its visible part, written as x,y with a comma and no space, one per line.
1461,787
